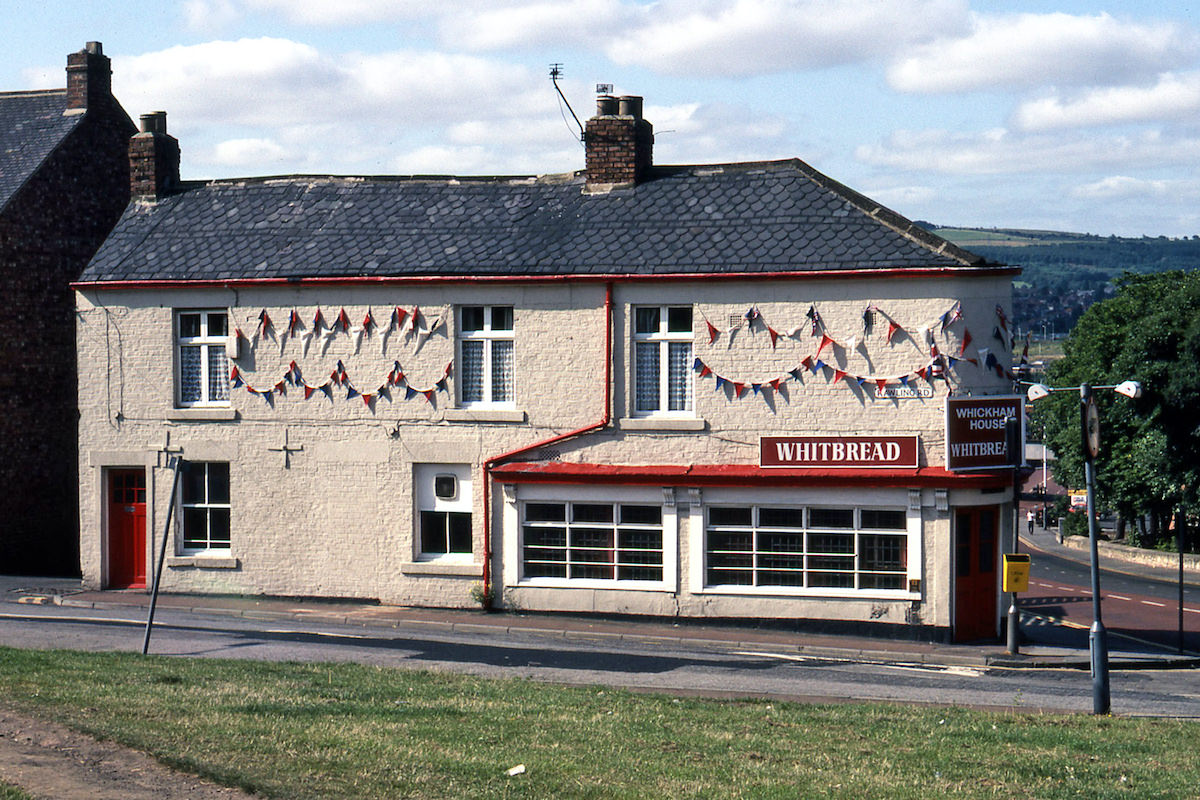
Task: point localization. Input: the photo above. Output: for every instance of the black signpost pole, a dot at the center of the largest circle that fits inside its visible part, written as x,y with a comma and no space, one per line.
1097,636
162,556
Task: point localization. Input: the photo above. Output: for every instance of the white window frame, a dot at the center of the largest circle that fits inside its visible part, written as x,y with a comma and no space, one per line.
492,351
663,338
514,537
208,344
882,499
425,477
208,506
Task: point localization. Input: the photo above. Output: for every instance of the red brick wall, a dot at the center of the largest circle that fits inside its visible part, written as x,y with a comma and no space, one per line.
48,232
618,149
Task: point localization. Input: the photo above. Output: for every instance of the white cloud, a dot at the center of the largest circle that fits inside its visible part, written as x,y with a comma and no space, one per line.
1123,187
527,25
899,197
276,82
210,15
1174,96
1024,50
244,153
304,110
747,37
325,13
999,151
698,133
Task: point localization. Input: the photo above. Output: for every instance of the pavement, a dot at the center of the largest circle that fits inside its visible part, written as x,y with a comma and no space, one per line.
1045,643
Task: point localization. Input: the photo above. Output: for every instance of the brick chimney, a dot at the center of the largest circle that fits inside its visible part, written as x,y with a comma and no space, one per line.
89,77
153,159
618,142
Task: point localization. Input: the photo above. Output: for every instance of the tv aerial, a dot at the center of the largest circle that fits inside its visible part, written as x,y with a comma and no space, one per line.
556,73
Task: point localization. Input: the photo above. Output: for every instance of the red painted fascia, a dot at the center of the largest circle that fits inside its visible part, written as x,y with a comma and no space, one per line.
742,476
419,280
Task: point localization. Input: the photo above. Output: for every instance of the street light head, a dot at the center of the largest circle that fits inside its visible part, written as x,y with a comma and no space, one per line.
1130,389
1037,391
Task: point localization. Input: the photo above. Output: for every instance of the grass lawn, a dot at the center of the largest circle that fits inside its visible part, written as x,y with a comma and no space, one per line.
352,731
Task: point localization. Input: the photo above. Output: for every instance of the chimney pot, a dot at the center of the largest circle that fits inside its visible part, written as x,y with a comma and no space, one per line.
153,158
606,106
154,122
89,77
630,106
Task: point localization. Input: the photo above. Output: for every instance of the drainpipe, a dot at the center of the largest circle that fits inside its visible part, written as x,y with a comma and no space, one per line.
562,437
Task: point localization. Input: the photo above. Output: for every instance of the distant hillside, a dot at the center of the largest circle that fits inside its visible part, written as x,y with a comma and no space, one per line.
1063,273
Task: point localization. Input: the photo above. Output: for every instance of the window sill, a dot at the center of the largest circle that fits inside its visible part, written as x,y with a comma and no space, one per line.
203,414
783,591
204,562
592,583
661,424
441,567
484,415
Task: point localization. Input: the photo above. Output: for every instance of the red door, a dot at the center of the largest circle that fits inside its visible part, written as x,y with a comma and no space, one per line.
975,548
126,528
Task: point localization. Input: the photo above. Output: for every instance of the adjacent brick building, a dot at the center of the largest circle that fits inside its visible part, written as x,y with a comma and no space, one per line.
690,391
64,181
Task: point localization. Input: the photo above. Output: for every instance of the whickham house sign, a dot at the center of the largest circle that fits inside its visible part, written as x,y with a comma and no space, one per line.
976,434
843,452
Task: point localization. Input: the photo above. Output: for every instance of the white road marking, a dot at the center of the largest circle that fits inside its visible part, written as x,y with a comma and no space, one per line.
1118,597
1152,603
966,672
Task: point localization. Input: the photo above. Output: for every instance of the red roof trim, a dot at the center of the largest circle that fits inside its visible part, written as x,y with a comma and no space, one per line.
393,280
742,475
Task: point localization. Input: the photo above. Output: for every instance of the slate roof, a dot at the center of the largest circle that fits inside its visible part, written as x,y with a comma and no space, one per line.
32,125
780,216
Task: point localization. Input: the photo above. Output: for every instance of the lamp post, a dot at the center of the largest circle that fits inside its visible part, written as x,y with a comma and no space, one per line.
1089,425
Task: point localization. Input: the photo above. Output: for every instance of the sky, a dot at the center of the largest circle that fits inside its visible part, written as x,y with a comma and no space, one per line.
1056,115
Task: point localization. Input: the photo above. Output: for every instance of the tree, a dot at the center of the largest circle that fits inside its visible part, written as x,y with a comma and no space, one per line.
1150,447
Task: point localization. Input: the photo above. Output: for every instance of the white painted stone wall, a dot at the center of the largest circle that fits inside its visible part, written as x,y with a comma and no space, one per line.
338,520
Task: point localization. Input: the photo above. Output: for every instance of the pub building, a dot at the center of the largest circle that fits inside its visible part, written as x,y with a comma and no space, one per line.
724,391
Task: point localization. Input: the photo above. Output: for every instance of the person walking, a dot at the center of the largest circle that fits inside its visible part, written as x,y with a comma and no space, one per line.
1029,517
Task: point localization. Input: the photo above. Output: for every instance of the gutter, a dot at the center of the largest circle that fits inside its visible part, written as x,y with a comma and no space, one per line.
606,277
495,461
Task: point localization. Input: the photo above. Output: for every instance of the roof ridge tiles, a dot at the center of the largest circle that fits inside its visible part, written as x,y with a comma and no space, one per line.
33,93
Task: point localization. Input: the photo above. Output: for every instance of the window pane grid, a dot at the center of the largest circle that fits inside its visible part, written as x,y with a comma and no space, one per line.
596,544
205,505
471,372
486,372
647,369
502,371
781,551
203,365
662,359
679,380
